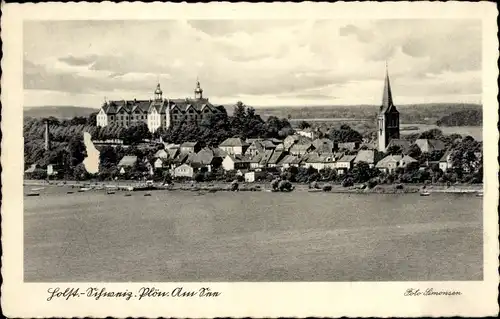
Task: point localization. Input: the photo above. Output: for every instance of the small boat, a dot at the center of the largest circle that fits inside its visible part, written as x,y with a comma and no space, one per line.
147,194
37,189
315,190
84,189
110,192
128,195
69,192
425,193
33,194
479,194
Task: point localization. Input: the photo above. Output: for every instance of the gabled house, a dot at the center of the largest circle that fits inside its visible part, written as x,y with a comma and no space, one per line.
301,149
207,159
161,154
404,145
351,146
445,163
320,161
265,157
289,161
344,164
323,145
184,170
406,160
255,161
235,162
367,156
275,159
295,139
308,132
429,145
389,163
234,145
190,147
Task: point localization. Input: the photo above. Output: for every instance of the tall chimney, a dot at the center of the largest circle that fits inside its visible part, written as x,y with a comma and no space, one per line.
47,138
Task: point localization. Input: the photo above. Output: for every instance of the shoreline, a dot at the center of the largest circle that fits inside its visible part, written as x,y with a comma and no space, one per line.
225,186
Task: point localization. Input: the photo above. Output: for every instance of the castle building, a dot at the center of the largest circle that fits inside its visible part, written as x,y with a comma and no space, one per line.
159,112
388,118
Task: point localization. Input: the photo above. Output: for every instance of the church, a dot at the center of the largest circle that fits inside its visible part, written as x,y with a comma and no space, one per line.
158,112
388,118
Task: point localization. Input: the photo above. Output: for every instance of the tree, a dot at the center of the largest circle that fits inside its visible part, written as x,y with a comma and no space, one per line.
304,125
345,134
414,151
394,150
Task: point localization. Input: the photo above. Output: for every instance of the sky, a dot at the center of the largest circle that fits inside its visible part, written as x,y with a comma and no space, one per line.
259,62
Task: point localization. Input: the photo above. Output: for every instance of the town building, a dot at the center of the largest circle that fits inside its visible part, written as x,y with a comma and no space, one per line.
429,145
366,156
234,145
388,118
344,164
158,112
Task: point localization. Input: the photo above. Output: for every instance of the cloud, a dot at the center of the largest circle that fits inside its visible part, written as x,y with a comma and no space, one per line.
252,58
78,61
362,35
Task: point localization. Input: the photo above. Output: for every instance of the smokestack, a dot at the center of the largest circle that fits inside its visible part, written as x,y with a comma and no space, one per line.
47,138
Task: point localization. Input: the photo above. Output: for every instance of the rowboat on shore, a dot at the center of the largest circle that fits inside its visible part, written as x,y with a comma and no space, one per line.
425,194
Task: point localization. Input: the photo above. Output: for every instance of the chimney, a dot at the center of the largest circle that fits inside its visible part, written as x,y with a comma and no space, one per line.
47,137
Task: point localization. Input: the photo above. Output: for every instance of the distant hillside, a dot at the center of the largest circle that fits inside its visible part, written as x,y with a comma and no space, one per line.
462,118
410,113
60,112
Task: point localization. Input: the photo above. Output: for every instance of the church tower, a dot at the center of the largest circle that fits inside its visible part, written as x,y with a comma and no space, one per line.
388,118
158,93
198,91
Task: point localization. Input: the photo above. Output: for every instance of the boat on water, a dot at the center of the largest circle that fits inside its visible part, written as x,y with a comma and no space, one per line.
110,192
37,189
33,194
128,194
147,194
479,194
425,194
69,192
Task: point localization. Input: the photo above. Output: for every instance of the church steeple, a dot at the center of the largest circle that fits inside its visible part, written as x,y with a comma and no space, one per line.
387,96
388,118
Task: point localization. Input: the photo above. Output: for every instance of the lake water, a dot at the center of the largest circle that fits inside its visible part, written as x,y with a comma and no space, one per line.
475,131
257,236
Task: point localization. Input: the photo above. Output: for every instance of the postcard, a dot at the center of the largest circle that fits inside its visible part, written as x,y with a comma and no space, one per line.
249,159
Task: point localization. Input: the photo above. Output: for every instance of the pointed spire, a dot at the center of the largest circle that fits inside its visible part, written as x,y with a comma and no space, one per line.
387,96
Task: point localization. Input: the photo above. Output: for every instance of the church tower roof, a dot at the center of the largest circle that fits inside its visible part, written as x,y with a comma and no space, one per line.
387,103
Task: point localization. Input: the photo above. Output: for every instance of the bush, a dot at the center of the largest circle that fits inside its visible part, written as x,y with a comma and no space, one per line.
347,182
285,186
327,188
199,177
371,183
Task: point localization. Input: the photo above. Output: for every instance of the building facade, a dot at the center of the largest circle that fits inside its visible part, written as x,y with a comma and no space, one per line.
158,112
388,118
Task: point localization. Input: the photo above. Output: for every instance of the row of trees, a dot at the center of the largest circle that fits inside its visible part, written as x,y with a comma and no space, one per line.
244,123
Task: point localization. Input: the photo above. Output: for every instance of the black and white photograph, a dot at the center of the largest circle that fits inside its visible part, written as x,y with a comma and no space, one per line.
257,150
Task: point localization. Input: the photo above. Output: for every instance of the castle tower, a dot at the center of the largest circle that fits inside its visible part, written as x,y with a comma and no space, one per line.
47,136
198,91
158,93
388,118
